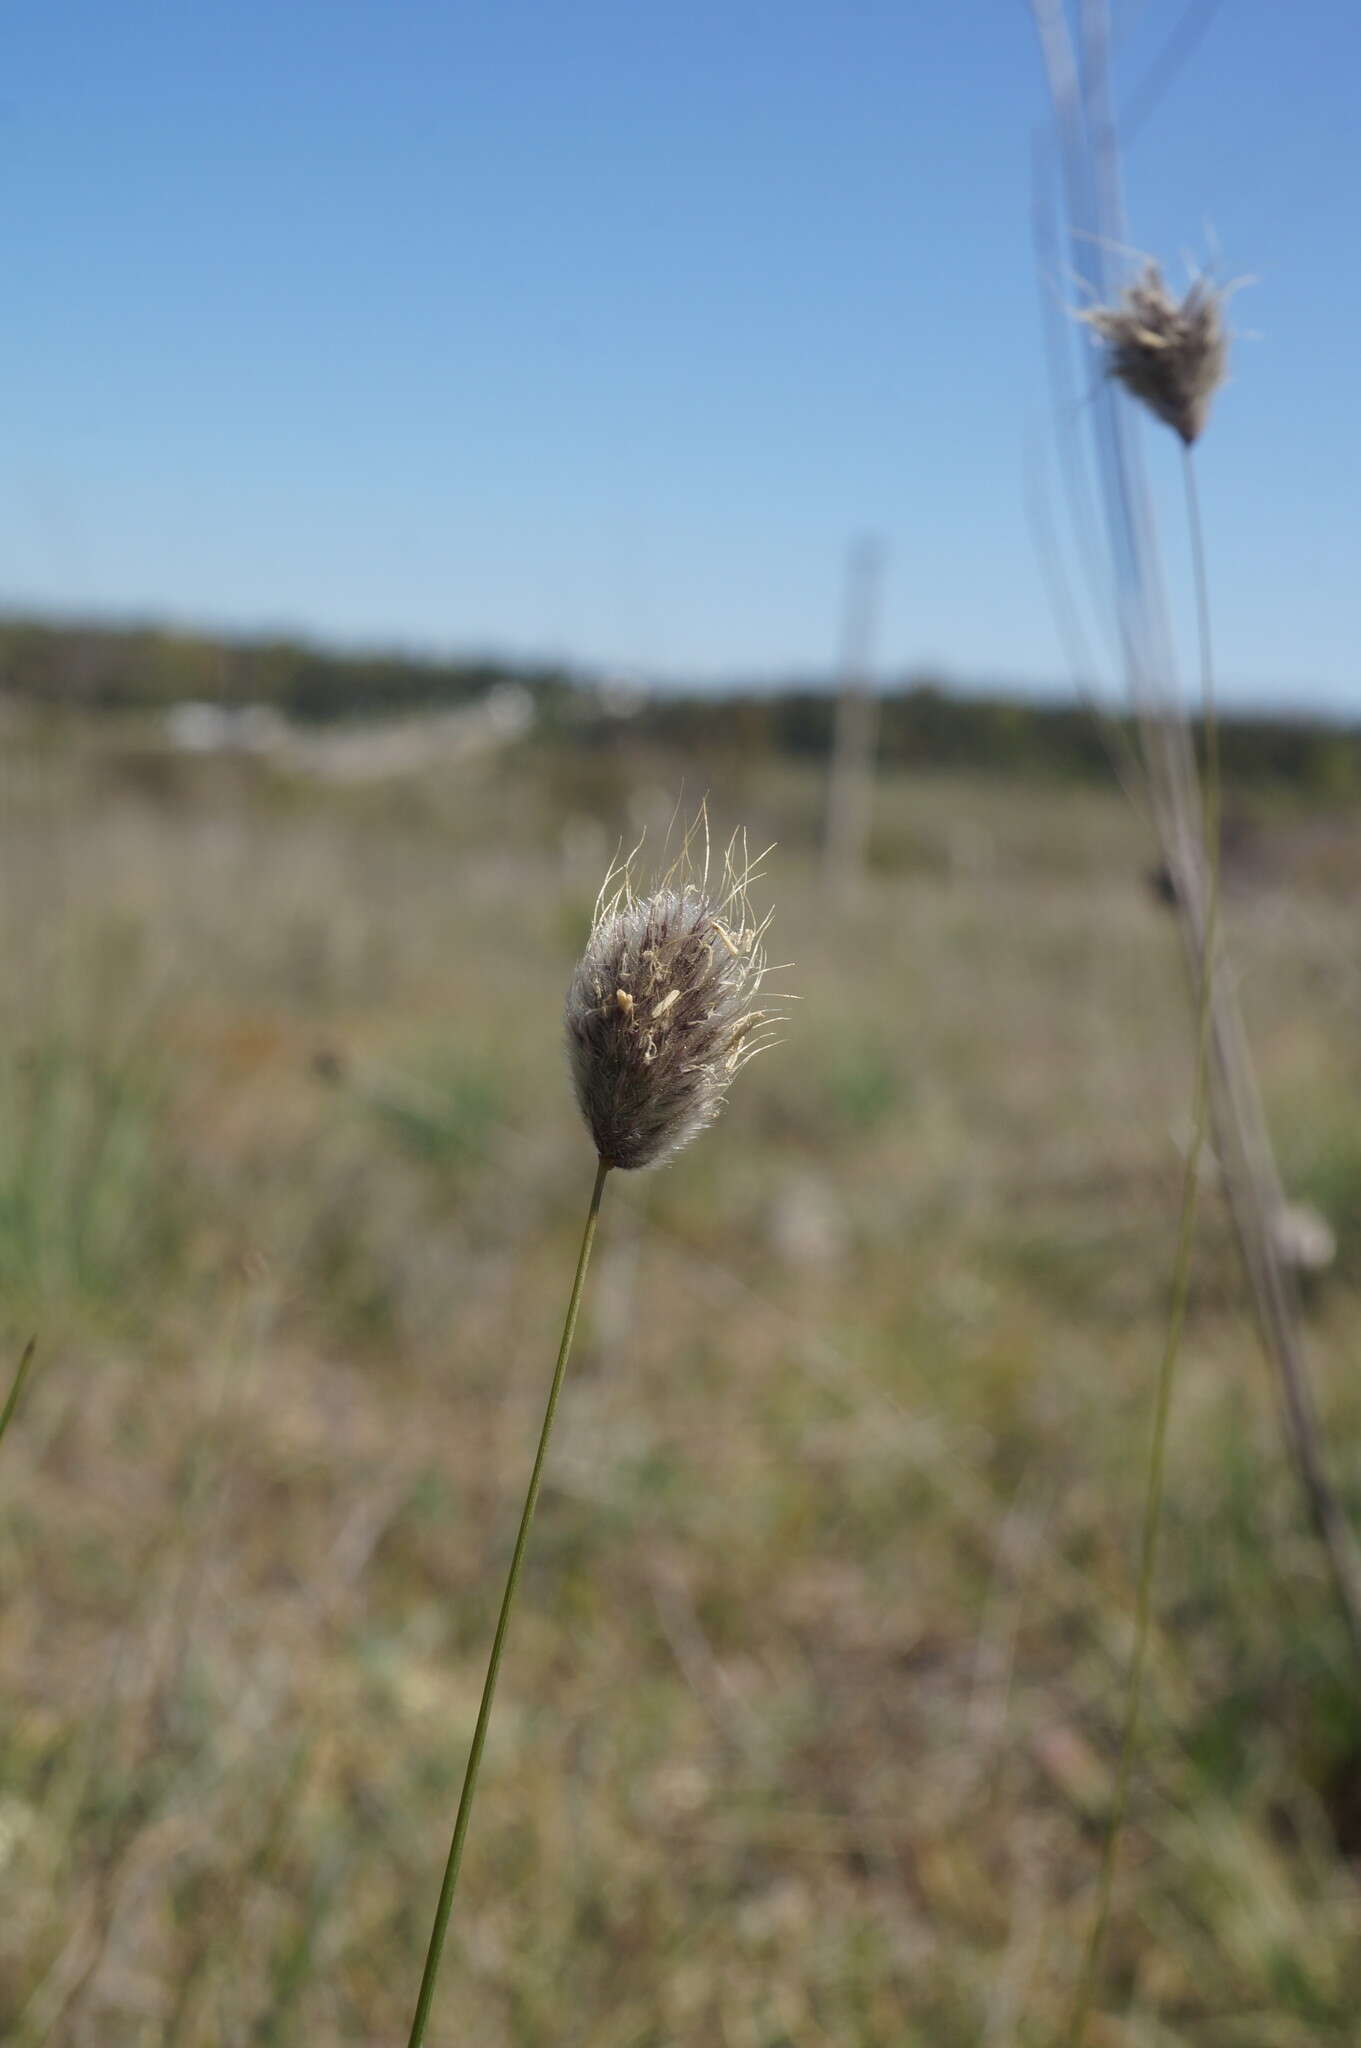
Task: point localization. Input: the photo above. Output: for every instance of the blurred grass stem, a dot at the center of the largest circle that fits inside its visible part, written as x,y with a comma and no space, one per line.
426,1995
17,1385
1181,1276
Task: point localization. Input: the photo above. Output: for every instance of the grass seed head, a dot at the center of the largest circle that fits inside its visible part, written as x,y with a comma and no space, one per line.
662,1009
1172,356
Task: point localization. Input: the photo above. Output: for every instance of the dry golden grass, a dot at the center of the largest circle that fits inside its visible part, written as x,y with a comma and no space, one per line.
808,1717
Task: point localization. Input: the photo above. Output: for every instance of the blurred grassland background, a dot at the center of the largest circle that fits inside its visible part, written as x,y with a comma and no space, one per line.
807,1727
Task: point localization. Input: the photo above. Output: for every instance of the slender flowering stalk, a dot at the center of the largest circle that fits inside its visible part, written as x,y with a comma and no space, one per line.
425,1997
1172,359
660,1016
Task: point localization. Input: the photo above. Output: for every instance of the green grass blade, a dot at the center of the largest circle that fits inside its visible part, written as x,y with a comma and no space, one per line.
17,1386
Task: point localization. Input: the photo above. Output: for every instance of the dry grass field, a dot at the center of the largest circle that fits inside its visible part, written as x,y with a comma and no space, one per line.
813,1693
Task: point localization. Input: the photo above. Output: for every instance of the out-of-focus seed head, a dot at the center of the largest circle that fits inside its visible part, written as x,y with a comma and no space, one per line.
1172,356
662,1009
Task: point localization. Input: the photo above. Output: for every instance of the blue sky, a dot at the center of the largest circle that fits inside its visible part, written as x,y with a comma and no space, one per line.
598,330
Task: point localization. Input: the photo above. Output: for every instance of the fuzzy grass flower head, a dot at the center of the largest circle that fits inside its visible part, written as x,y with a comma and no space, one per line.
662,1010
1171,355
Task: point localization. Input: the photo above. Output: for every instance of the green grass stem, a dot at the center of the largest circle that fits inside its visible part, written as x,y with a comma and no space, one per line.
17,1386
446,1898
1181,1287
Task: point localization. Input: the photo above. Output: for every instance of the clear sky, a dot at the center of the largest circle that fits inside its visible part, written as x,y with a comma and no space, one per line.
597,329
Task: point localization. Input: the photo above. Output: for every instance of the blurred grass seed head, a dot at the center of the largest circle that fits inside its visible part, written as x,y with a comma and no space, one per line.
1171,356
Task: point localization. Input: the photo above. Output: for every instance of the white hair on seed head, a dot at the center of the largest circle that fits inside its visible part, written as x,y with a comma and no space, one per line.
661,1009
1172,356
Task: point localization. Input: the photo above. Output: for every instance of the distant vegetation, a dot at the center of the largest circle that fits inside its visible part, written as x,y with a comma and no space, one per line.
137,668
75,665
